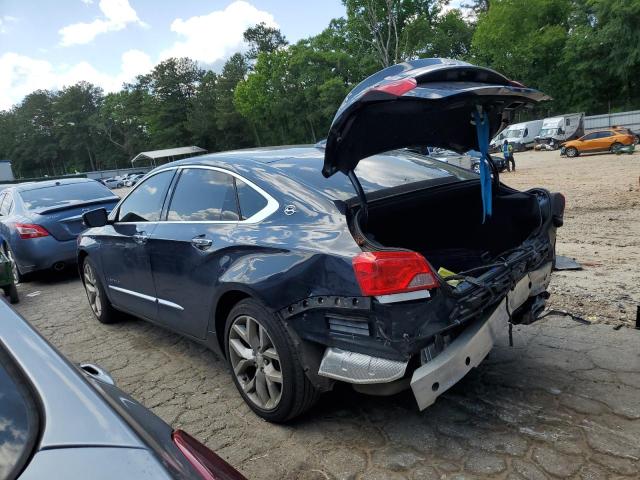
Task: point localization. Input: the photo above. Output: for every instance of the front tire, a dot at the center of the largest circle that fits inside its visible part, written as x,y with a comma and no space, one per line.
96,295
572,152
615,147
264,364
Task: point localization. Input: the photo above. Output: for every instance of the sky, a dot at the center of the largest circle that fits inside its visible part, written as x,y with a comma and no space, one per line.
46,44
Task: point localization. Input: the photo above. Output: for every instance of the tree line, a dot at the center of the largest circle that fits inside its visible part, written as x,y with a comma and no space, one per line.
584,53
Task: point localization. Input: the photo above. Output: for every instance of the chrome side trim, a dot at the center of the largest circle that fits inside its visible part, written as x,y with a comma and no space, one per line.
403,297
159,301
135,294
271,207
167,303
352,367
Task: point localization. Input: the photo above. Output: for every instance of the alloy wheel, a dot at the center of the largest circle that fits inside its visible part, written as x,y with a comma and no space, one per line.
93,292
255,362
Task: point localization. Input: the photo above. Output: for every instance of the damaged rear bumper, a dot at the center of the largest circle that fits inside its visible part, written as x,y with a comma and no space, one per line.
446,368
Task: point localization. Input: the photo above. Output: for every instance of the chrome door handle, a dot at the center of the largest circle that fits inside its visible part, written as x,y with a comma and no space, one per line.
201,243
140,238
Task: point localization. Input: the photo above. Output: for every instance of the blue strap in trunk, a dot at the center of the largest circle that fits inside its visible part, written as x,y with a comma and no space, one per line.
482,129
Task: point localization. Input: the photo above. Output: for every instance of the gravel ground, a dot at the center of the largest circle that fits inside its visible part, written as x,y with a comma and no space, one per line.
601,230
564,402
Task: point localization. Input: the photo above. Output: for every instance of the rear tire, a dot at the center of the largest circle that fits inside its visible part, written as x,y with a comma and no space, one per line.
264,364
12,293
572,152
17,276
98,301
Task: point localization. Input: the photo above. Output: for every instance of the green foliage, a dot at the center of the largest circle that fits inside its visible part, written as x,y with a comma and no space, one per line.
262,38
584,53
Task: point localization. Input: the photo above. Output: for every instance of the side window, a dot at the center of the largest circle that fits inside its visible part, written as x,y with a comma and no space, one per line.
590,136
2,197
567,121
526,132
203,195
145,203
605,134
251,202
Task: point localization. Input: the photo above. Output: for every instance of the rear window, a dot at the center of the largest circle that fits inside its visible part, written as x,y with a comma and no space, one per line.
376,173
18,418
65,194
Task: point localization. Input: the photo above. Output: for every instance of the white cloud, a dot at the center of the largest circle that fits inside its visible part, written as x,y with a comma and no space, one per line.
215,36
21,75
87,2
117,15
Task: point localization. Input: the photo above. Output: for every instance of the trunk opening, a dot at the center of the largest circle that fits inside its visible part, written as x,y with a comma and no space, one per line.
444,224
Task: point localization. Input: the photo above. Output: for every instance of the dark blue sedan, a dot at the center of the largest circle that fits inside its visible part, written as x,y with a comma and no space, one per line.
349,262
40,221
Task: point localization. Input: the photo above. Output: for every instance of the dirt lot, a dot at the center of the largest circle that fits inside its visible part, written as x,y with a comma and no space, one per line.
564,402
601,231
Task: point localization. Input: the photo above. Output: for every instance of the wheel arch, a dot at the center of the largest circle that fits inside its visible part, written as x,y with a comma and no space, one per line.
222,307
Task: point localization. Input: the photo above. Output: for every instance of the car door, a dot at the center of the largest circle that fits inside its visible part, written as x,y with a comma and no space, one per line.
124,249
190,248
589,142
605,140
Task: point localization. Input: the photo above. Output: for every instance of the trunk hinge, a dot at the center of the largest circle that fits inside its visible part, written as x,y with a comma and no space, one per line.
364,216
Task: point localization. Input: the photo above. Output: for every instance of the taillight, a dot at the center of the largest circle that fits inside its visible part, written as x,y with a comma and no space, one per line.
208,465
398,87
384,273
30,230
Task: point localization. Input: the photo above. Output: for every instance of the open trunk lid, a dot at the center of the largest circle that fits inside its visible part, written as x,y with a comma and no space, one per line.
426,102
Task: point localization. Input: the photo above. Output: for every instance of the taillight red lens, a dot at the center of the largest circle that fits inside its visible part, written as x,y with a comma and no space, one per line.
208,465
30,230
384,273
398,87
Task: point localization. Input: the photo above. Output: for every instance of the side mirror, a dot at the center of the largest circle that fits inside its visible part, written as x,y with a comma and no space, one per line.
95,218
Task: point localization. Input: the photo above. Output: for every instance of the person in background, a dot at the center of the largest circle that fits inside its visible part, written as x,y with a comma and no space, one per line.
507,152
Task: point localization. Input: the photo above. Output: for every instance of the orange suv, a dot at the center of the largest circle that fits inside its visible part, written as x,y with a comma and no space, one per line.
607,140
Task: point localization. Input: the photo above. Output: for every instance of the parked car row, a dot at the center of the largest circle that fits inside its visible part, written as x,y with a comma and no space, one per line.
127,180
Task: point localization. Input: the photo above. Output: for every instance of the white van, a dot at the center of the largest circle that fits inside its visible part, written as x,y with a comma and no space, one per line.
556,130
520,135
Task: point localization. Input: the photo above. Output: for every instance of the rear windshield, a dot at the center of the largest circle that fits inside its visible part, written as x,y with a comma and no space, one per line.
66,194
18,418
375,173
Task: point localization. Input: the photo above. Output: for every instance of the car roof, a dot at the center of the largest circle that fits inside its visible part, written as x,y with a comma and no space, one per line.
235,160
21,187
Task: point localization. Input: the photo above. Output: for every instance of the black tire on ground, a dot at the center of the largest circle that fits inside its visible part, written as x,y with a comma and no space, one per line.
297,392
615,147
636,139
18,277
572,152
12,293
103,311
